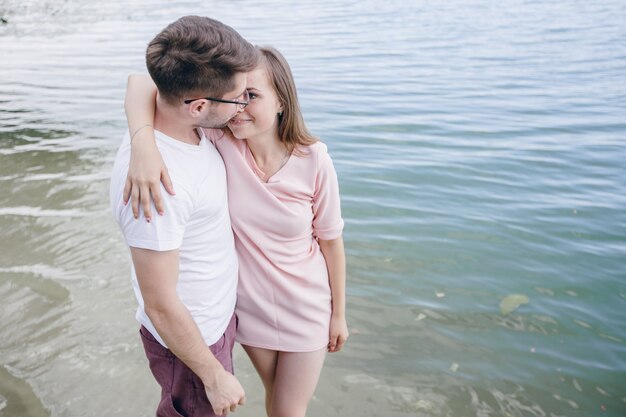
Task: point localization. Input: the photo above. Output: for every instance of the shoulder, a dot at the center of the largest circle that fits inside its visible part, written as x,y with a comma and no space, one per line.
186,171
316,153
212,135
222,139
321,157
314,149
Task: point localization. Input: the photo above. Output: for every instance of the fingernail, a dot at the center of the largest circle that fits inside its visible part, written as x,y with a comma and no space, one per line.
148,219
160,213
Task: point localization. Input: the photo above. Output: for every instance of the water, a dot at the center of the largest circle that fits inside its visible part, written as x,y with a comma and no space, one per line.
480,149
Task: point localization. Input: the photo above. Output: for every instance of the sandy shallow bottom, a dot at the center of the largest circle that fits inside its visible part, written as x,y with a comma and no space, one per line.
339,393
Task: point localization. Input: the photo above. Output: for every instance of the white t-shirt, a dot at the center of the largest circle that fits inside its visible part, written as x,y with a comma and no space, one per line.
196,222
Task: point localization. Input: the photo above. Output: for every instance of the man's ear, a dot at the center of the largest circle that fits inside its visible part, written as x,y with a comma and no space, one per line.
197,107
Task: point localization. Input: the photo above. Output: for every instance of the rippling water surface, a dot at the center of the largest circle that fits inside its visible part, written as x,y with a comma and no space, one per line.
480,148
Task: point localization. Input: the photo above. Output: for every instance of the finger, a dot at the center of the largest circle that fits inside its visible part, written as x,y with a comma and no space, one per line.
341,342
145,203
128,186
134,202
167,182
333,343
242,400
233,407
158,200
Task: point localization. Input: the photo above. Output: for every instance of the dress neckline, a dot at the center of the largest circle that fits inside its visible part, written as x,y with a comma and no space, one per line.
258,172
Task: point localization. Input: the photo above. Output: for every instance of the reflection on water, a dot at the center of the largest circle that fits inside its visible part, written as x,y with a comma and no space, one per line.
480,154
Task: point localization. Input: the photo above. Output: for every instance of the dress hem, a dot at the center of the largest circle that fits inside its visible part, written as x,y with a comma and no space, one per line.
282,349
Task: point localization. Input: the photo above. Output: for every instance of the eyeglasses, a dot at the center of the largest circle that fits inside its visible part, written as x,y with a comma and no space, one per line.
241,104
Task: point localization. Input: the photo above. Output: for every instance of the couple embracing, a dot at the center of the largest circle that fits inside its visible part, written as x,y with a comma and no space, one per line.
231,211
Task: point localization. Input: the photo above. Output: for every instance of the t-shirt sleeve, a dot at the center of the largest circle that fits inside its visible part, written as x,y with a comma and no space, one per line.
327,221
163,233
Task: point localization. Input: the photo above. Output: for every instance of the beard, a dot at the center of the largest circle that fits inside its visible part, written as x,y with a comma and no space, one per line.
217,125
211,122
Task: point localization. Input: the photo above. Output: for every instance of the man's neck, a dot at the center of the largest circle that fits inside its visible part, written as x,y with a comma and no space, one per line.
168,122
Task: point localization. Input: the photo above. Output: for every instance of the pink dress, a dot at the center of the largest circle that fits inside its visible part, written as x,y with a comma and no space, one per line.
283,296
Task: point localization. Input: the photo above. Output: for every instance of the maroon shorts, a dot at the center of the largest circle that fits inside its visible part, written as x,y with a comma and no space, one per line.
182,392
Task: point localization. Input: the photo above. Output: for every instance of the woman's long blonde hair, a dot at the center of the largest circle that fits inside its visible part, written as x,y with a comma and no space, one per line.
291,128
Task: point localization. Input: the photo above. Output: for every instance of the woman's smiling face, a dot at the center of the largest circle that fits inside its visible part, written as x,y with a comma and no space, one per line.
260,117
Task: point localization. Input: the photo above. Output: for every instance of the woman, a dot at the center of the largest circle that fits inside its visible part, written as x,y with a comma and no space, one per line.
285,212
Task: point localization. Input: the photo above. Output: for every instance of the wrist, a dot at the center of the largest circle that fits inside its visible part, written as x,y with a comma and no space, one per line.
208,375
145,131
338,314
144,142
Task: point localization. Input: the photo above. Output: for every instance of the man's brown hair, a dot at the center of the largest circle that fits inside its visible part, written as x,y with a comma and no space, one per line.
197,56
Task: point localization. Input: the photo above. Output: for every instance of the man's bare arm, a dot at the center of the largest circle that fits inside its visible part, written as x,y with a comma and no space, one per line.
157,274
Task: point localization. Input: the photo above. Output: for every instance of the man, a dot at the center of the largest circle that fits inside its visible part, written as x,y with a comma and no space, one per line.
184,262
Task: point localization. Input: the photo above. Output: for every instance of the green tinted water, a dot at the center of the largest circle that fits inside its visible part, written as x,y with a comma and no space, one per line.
480,149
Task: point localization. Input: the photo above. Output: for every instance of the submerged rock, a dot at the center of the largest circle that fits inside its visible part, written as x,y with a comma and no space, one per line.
512,302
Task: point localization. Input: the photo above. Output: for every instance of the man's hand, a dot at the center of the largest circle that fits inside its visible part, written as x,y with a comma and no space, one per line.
224,392
145,173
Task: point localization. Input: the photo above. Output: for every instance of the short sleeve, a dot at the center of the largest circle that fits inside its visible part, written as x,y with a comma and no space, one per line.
163,233
327,221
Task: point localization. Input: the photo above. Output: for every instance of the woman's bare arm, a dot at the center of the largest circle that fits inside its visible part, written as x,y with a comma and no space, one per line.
335,257
147,169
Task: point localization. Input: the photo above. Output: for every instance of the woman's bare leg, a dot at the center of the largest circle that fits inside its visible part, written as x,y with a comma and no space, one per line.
295,378
264,361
